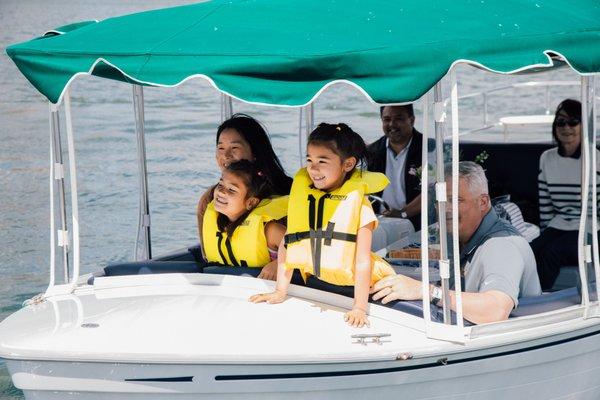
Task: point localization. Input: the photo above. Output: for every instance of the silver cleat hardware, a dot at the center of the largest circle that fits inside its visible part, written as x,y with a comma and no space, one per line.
404,356
361,338
37,299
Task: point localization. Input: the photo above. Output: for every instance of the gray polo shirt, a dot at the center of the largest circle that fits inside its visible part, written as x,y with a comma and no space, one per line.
506,264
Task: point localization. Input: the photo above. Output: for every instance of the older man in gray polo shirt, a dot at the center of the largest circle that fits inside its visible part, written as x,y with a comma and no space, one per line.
498,264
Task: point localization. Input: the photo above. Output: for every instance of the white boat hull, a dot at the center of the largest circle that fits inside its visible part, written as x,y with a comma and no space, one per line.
567,370
192,337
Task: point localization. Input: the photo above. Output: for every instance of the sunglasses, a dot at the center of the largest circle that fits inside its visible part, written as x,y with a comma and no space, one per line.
561,122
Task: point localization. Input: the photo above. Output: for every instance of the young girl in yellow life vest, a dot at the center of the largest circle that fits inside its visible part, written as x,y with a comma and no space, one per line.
240,226
331,222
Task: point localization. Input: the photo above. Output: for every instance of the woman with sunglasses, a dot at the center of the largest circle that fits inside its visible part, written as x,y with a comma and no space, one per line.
559,185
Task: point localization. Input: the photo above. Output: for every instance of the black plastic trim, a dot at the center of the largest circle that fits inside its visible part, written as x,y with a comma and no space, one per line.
173,379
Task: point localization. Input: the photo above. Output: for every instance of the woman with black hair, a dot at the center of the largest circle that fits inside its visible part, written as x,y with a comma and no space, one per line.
559,184
242,137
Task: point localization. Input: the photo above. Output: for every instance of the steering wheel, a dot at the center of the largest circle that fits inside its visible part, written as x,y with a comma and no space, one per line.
373,199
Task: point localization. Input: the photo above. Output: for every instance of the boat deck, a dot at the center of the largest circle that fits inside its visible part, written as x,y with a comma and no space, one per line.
191,318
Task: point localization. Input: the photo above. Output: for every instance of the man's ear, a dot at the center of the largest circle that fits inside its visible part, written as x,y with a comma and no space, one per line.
349,164
484,202
252,202
412,120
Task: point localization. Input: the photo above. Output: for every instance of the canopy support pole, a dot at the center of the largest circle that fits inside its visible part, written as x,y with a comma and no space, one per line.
73,188
309,124
440,118
309,117
425,213
455,194
143,244
301,146
51,191
590,122
226,107
584,248
59,177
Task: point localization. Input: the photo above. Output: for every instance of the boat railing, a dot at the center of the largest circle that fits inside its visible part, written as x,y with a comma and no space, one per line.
520,120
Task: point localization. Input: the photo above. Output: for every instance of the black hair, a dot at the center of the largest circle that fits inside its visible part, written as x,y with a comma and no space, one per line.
569,106
257,184
407,107
266,160
340,139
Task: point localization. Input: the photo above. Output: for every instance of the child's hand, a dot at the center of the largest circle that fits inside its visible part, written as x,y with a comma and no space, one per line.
269,271
356,318
272,298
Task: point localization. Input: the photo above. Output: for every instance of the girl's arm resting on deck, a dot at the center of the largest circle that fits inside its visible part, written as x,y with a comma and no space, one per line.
362,277
284,277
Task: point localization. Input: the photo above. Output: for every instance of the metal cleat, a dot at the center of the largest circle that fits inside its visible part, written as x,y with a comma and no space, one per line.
361,338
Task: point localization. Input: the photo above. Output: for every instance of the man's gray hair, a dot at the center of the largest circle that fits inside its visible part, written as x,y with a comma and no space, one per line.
473,174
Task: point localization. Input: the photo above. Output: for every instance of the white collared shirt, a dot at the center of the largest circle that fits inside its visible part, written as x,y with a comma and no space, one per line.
395,193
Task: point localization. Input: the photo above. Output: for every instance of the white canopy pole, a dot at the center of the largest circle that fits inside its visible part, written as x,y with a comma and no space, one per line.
226,107
73,187
301,145
588,252
52,223
455,216
437,330
583,255
309,117
309,124
143,243
590,121
425,215
59,177
440,120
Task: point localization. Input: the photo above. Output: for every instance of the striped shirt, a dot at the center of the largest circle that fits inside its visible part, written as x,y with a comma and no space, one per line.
559,184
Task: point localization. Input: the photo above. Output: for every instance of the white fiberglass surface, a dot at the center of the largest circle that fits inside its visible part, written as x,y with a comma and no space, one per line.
178,322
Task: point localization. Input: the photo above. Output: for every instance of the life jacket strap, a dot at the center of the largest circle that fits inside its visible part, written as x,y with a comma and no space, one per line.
318,238
319,234
232,258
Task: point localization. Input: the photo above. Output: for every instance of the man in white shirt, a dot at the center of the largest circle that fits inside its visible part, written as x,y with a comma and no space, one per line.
398,154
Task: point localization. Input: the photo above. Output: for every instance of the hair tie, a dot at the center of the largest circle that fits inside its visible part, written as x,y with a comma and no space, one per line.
338,128
259,173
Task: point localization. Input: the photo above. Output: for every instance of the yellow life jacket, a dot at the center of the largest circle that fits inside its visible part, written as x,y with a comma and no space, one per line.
247,246
322,228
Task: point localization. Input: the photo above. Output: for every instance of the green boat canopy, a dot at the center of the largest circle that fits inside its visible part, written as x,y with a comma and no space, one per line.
285,52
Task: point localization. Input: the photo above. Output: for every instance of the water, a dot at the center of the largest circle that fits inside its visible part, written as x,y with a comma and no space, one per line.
180,123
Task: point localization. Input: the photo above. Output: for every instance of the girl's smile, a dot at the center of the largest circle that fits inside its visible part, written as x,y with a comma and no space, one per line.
325,168
230,196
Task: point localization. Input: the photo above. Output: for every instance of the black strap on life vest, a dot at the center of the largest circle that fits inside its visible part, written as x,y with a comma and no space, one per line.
317,235
232,258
